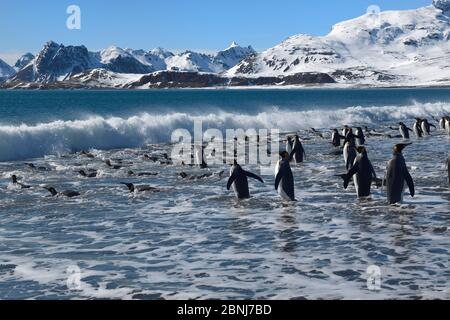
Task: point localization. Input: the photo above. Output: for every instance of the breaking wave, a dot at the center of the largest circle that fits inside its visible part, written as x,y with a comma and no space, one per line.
59,137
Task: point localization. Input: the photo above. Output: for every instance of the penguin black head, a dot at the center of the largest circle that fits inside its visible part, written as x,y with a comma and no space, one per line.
284,155
14,178
51,190
82,173
398,148
130,186
361,149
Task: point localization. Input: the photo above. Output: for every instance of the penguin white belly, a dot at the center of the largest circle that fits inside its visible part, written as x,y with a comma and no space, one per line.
280,189
282,193
355,181
424,129
346,153
288,148
416,130
198,157
442,124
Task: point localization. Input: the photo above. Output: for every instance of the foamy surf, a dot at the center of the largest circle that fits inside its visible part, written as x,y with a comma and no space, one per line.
97,132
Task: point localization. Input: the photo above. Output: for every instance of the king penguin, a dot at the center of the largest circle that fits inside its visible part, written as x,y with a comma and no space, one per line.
238,179
349,150
298,152
284,179
289,145
396,176
362,172
417,128
404,130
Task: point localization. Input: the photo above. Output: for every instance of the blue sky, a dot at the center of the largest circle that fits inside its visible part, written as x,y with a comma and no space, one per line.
205,25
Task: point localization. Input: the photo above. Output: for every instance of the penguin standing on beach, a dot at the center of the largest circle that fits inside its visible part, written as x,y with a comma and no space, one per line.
362,172
397,175
238,179
284,179
404,130
298,152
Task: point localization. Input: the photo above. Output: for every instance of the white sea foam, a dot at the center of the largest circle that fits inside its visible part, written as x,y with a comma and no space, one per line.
26,141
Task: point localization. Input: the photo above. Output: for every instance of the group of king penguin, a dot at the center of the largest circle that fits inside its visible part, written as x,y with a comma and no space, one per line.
284,179
356,160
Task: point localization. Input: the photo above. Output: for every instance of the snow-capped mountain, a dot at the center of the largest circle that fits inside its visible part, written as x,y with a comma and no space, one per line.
192,61
231,56
410,47
391,48
23,61
56,62
212,63
6,70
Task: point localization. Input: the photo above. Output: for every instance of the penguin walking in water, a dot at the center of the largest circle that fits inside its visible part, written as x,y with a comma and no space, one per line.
404,130
349,151
396,176
200,157
238,179
447,126
284,179
336,138
65,193
345,131
360,138
289,145
426,127
18,184
442,123
362,172
417,128
298,152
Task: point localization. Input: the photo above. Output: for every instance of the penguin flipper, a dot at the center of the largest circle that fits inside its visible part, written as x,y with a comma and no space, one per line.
254,176
130,186
278,179
231,179
346,179
291,156
410,183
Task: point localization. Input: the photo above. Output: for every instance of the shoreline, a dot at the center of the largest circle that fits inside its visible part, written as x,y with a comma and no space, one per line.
225,88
